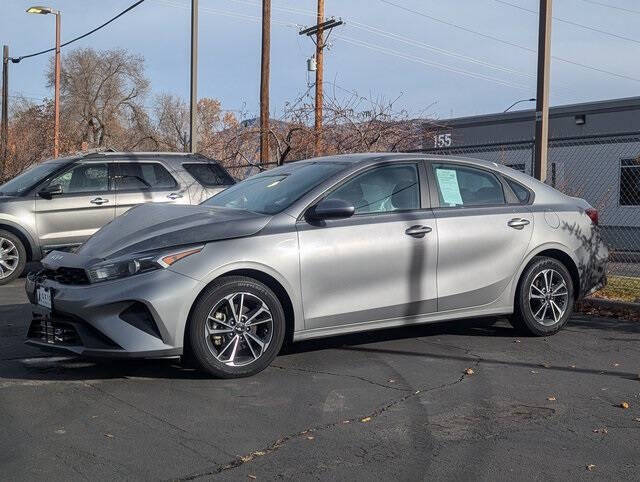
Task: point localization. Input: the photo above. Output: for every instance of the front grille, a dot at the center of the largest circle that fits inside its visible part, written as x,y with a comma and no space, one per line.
53,332
65,276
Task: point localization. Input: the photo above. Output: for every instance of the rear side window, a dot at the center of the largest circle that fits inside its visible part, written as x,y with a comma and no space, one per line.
209,174
460,186
521,192
143,175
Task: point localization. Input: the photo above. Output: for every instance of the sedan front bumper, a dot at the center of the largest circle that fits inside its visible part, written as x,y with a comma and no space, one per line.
142,316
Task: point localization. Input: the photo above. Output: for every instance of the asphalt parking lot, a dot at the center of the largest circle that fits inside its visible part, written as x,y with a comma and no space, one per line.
396,404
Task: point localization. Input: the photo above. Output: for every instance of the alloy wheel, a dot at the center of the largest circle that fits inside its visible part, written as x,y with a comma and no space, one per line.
9,258
238,329
548,297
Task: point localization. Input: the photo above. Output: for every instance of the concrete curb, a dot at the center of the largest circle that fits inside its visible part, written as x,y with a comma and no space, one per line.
611,305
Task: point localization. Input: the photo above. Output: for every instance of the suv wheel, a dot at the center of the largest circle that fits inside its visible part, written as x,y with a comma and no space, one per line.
13,257
236,328
545,298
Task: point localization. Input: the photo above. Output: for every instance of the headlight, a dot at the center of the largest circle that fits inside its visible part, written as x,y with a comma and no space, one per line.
137,264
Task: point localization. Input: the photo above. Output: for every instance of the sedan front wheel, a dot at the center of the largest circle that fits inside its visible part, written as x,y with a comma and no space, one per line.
237,327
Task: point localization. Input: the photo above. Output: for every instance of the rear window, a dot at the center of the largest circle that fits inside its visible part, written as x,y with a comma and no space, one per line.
209,174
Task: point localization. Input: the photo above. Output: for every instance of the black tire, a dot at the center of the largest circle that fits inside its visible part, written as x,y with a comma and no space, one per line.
524,317
201,347
21,253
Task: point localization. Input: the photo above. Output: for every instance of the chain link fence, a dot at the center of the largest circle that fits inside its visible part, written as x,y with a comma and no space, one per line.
603,170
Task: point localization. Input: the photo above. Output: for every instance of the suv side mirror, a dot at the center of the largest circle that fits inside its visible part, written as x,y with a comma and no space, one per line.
50,191
330,209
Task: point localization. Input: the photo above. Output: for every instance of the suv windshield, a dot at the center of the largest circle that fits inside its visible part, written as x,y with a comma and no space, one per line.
275,190
29,178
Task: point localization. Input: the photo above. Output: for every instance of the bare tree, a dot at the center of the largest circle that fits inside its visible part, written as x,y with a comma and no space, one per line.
102,94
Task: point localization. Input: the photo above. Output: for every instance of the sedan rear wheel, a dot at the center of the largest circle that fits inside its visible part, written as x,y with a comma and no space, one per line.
544,301
237,327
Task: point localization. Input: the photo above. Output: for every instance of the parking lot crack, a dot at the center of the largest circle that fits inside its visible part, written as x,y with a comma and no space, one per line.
356,377
280,442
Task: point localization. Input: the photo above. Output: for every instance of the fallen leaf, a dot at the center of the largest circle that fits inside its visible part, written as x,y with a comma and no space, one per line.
366,419
551,399
468,371
310,437
601,430
61,431
616,364
637,419
545,365
391,380
347,421
624,405
516,341
534,372
591,467
253,477
259,453
108,435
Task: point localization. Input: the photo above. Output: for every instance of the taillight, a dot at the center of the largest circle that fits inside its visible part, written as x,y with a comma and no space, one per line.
593,215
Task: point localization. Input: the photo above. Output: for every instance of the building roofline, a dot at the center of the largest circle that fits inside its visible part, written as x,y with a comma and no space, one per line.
615,105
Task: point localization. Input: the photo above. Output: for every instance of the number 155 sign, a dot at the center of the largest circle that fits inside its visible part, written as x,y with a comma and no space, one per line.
442,140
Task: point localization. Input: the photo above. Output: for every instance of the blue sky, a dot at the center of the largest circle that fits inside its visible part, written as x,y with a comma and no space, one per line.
382,51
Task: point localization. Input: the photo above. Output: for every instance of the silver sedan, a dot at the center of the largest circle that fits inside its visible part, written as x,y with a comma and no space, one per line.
319,248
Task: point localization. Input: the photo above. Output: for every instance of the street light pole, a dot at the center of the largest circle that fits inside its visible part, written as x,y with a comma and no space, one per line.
193,113
518,102
56,100
56,96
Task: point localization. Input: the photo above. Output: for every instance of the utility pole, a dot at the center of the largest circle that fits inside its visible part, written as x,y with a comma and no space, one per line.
318,30
264,81
56,97
193,111
542,97
4,129
317,147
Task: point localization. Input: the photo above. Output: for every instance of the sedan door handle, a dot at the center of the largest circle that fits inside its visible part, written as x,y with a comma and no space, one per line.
518,223
99,201
174,195
418,231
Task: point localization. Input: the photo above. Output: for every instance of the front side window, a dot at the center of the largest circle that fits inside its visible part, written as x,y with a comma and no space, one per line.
275,190
141,176
382,189
83,178
466,186
630,182
209,174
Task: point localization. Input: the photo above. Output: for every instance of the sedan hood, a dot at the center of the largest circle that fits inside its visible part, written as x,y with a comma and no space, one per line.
157,226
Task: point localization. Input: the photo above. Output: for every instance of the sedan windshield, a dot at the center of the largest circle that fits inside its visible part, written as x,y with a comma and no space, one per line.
29,178
275,190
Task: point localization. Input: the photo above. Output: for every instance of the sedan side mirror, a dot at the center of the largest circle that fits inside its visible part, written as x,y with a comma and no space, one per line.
330,209
50,191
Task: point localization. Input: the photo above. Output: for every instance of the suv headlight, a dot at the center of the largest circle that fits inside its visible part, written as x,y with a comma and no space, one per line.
137,264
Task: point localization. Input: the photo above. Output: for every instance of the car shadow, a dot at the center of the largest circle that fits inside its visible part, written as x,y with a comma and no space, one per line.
56,367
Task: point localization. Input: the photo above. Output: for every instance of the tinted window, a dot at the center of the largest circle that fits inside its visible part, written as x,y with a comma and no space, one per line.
521,192
383,189
275,190
466,186
29,178
209,174
630,182
143,175
83,178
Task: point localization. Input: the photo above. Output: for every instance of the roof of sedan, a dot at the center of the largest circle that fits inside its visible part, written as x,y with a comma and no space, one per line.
397,156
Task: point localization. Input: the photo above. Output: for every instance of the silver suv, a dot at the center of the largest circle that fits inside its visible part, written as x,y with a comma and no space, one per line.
60,203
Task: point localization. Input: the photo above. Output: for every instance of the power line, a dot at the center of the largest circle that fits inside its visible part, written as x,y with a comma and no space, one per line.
571,22
131,7
615,7
507,42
